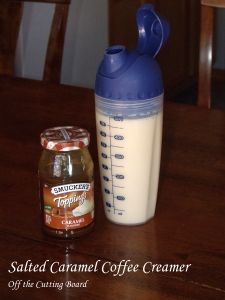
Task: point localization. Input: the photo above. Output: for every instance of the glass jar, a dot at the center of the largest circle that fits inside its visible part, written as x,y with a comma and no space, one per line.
66,182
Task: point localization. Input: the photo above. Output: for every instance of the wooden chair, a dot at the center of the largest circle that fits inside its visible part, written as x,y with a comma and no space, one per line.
10,18
206,47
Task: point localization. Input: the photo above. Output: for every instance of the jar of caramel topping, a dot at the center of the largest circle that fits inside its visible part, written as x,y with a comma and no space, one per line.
66,182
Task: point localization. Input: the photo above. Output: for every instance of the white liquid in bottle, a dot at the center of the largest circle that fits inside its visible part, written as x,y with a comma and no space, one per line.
129,157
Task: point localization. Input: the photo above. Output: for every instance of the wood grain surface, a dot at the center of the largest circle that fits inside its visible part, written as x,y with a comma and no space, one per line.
189,226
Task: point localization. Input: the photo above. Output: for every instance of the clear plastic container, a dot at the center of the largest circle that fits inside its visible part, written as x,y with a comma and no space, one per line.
129,148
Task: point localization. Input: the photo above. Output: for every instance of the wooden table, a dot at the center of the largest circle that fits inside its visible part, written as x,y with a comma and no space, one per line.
189,226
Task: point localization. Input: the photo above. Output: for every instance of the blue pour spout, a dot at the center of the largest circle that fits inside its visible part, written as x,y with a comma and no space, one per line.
131,74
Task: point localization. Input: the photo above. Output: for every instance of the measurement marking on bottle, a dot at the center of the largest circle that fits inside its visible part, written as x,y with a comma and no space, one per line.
117,127
119,176
117,147
120,187
102,133
102,123
106,178
120,211
118,137
119,156
121,198
112,139
107,191
117,118
111,161
108,204
117,166
105,167
104,155
104,145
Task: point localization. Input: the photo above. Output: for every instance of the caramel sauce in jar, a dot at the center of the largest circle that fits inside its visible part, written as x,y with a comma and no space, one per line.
66,182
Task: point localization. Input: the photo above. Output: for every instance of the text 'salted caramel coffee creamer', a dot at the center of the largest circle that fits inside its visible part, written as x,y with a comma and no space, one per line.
129,112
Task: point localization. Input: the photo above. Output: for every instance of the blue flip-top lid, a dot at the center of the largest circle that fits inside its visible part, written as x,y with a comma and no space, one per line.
134,74
153,30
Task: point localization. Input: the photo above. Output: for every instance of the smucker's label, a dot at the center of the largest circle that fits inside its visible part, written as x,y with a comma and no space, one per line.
70,188
68,206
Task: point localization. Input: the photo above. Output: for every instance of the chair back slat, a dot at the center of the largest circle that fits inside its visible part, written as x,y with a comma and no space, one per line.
10,19
54,55
205,51
11,12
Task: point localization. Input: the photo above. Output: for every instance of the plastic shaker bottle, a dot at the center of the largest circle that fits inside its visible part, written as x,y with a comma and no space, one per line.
129,112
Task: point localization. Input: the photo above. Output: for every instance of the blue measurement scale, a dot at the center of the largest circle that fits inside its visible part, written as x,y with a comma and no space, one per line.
112,142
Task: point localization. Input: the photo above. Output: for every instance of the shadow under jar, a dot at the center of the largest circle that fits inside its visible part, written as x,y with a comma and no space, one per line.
66,182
